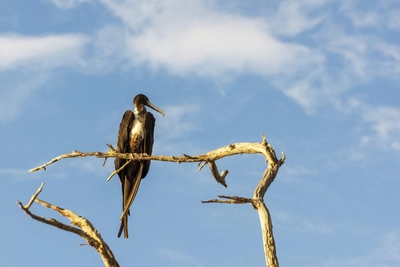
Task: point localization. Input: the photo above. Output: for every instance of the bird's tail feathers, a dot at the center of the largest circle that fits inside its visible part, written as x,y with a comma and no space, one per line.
133,192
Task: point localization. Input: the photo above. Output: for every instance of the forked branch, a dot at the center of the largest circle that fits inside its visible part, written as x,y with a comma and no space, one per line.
83,227
257,202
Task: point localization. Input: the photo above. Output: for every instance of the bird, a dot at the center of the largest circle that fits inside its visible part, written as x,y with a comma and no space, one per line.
135,135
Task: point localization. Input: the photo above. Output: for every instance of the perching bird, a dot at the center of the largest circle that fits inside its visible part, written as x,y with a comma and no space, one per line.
135,135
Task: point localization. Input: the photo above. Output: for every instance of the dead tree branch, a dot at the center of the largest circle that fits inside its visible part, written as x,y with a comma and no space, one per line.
83,228
258,202
210,158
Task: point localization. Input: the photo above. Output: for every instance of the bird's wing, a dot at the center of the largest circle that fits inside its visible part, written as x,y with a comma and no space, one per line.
149,123
123,147
123,139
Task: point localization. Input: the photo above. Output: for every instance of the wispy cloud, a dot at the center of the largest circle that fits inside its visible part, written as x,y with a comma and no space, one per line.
27,62
106,54
385,122
45,51
197,38
66,4
318,70
179,121
378,15
296,16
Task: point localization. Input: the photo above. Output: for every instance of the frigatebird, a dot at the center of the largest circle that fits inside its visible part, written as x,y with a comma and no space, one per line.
135,135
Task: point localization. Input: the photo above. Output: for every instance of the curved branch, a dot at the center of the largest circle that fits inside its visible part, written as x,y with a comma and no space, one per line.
211,157
258,202
86,231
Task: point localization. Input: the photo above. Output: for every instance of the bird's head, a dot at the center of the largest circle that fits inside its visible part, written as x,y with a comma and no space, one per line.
142,100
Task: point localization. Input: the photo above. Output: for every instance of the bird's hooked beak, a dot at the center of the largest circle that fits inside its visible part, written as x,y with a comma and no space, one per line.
151,105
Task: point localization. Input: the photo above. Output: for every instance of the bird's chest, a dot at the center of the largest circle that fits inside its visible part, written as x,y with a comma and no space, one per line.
137,134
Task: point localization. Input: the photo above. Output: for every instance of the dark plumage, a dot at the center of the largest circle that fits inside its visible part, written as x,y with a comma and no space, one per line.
135,135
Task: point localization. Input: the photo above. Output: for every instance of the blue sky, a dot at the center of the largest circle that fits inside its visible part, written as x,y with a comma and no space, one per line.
319,78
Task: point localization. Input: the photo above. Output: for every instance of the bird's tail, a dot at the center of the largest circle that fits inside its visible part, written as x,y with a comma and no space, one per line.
124,227
129,197
133,192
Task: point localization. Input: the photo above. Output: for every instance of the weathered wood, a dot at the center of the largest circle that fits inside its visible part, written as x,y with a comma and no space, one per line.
210,158
229,150
85,228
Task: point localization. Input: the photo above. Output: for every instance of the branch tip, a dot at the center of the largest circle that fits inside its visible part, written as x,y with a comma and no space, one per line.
111,147
264,140
34,196
283,157
201,165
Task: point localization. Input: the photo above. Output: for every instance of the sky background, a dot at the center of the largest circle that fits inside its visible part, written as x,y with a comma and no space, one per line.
320,78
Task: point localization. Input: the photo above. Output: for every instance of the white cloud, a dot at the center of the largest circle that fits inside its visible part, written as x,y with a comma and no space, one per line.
196,38
390,59
66,4
385,121
296,16
46,51
304,94
179,120
378,15
109,46
351,49
26,63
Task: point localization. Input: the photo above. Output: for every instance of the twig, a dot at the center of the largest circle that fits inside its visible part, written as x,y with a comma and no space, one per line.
231,200
117,171
34,196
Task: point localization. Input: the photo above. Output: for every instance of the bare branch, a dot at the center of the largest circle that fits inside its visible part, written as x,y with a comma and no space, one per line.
231,200
219,178
210,158
267,234
34,196
229,150
258,202
86,231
